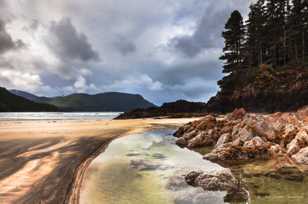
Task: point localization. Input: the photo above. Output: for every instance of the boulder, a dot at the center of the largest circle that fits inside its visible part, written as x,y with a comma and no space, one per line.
264,130
207,122
181,142
221,181
224,138
300,141
238,113
255,143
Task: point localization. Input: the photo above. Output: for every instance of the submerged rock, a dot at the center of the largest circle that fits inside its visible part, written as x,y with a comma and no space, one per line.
287,172
221,181
143,165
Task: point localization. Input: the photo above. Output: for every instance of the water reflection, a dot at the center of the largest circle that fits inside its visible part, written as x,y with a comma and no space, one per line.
146,169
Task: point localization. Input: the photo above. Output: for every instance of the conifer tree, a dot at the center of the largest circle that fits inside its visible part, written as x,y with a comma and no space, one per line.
255,34
234,36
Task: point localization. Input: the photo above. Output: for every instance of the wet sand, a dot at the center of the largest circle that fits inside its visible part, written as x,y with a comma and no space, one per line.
44,161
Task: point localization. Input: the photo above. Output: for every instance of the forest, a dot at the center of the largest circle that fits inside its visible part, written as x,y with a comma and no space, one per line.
274,35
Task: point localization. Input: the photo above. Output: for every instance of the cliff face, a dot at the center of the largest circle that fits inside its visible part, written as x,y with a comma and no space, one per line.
264,90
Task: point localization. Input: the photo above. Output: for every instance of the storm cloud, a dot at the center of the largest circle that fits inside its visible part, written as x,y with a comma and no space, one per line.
67,43
162,49
6,41
209,28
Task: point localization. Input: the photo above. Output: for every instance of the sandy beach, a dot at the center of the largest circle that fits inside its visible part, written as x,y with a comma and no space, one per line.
44,161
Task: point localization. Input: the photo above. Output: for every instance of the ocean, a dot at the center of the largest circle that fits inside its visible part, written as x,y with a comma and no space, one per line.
59,115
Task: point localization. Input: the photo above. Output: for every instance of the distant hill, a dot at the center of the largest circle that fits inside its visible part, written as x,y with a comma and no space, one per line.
177,109
13,103
110,101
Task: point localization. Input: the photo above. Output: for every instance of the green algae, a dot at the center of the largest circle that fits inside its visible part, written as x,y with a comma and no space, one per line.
268,190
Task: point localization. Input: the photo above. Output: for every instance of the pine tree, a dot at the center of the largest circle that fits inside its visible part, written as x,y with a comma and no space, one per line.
298,21
234,36
276,13
255,34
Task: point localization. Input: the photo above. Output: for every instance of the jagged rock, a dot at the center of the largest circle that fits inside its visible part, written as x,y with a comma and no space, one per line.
208,122
221,181
224,138
276,150
263,129
255,143
242,136
238,113
300,141
302,156
202,139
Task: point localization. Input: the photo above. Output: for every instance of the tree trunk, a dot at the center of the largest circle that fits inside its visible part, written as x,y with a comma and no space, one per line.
303,44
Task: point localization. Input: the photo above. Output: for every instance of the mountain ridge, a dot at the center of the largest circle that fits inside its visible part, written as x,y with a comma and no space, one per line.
10,102
107,101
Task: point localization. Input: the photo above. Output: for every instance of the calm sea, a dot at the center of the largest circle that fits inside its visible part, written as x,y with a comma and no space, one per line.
58,116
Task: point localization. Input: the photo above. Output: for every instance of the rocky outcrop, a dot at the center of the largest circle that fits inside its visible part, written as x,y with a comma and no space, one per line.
221,181
242,136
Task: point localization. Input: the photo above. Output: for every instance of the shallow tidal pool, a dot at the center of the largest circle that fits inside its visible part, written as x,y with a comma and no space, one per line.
146,168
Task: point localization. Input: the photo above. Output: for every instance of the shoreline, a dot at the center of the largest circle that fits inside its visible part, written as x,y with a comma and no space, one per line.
72,196
46,161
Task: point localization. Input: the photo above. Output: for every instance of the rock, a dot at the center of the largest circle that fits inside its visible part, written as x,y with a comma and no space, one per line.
191,178
289,133
276,150
142,165
176,183
221,181
207,122
244,134
300,141
238,113
293,147
255,143
302,156
224,138
202,139
190,135
244,137
181,142
264,129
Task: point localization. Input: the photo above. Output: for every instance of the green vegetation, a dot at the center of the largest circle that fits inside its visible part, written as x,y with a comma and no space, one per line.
12,103
111,101
265,59
276,34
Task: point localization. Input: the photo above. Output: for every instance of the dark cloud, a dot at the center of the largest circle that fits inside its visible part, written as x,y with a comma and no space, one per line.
124,46
181,73
69,44
208,31
6,41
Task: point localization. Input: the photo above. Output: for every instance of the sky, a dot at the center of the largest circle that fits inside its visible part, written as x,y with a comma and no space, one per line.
164,50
